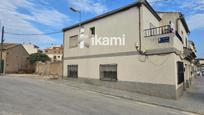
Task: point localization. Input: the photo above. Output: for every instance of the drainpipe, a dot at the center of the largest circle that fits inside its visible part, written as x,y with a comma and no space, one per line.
177,23
63,55
140,36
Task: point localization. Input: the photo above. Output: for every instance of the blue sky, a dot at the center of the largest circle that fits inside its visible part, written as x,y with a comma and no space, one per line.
42,16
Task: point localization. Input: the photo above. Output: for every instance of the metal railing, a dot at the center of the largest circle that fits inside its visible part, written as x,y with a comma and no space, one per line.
158,31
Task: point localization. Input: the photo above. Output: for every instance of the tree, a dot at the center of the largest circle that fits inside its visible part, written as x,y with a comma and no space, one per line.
38,57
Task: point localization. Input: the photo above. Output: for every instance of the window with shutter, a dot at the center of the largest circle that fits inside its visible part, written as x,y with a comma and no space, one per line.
73,41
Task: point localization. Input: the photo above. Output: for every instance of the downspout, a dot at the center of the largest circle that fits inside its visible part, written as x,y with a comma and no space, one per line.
177,24
140,36
63,55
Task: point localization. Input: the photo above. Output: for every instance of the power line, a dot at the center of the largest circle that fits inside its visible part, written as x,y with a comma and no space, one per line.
50,33
159,1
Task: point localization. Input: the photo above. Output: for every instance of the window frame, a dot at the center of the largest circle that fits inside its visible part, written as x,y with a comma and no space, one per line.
92,31
180,72
109,73
73,67
72,37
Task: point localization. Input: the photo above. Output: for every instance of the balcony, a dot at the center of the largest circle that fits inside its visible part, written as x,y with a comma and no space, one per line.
189,54
157,31
161,38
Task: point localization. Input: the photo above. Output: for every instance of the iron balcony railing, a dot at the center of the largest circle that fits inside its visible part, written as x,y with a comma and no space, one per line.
158,31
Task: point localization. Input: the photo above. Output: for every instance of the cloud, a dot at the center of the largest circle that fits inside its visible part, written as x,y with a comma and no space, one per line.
194,12
89,6
193,4
157,2
196,21
49,17
19,16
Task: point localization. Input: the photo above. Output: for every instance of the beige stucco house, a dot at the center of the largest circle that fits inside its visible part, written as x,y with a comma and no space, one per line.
156,58
55,53
201,66
15,58
201,61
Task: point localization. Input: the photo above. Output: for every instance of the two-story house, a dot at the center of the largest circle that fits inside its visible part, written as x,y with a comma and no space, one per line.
54,53
149,60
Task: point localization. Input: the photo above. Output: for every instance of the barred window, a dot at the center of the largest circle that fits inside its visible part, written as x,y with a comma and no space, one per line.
108,72
73,41
72,71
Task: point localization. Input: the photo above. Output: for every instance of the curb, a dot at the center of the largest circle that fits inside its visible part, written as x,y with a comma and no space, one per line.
141,101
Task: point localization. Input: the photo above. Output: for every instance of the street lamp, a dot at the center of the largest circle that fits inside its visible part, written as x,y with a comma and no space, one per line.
77,11
80,27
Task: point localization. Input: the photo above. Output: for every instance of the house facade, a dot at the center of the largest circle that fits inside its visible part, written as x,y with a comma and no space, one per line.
201,66
15,58
151,60
55,53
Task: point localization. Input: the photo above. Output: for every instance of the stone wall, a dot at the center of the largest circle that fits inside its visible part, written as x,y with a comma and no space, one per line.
49,68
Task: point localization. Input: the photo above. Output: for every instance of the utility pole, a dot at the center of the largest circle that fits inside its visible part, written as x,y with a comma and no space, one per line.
2,41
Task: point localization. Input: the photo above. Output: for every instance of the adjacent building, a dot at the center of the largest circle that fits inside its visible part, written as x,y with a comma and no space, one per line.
154,55
55,53
31,48
201,61
201,65
15,58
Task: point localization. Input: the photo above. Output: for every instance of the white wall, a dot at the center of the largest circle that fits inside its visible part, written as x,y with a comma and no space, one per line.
30,48
155,69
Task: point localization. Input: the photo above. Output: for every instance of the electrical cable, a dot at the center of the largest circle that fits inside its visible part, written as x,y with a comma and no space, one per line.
50,33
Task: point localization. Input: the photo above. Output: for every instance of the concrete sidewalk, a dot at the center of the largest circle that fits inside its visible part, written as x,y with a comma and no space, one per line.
192,100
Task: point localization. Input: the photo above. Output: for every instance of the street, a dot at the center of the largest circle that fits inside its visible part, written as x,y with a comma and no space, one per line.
25,96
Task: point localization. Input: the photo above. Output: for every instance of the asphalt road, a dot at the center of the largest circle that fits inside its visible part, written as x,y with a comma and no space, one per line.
24,96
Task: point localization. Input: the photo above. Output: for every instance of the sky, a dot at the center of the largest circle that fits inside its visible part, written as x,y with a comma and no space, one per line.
45,16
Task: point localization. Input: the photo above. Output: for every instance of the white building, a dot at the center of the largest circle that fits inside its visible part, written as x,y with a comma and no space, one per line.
155,60
55,53
31,48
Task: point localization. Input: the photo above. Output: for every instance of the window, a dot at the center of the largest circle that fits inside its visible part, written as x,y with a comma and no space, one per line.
108,72
72,71
73,41
180,70
92,31
54,57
